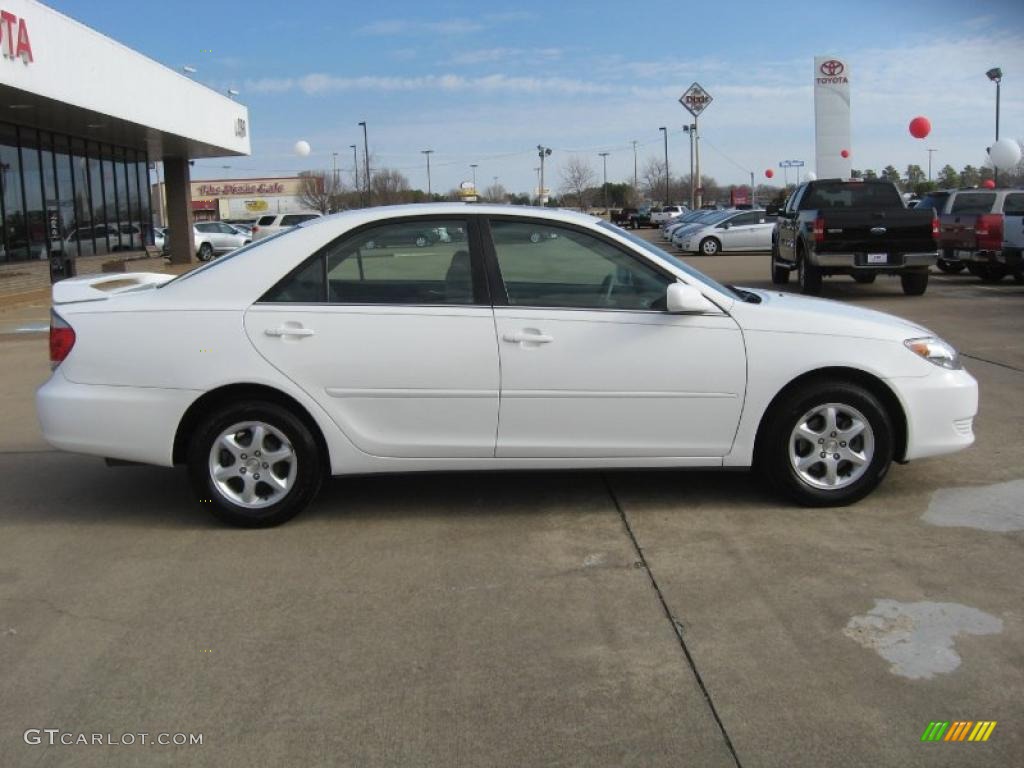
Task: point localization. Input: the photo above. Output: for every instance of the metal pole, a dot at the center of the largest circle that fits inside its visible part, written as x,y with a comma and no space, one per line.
428,153
753,204
995,170
366,161
474,166
635,178
604,158
540,191
664,131
355,170
693,187
334,168
930,151
696,139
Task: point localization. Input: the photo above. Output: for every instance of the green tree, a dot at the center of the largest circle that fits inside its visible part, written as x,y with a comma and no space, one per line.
948,177
855,174
915,176
889,173
970,176
869,175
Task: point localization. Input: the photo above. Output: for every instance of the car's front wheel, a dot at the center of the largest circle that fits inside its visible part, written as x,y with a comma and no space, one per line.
255,464
826,444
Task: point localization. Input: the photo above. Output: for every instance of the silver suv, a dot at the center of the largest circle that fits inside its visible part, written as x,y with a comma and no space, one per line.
273,223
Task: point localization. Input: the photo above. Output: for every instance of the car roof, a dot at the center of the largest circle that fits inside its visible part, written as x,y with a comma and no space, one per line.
367,215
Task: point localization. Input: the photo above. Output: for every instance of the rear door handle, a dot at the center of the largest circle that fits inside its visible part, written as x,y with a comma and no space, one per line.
286,331
520,337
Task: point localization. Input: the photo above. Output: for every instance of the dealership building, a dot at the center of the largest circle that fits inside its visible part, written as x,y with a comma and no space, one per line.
82,120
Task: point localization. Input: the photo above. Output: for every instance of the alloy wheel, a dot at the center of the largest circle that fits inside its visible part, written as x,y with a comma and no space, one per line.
252,464
831,446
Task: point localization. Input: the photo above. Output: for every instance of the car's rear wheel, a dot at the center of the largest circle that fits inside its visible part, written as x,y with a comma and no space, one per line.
914,283
709,246
205,252
994,273
826,444
809,276
255,464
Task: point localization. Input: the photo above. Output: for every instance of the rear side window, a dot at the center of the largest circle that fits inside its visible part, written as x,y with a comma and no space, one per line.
973,202
823,196
266,221
1013,205
292,219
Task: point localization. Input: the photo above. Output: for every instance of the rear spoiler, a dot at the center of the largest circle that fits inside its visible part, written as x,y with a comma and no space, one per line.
99,287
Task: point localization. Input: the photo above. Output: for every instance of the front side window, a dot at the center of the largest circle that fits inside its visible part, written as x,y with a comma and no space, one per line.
552,266
1013,205
408,262
266,221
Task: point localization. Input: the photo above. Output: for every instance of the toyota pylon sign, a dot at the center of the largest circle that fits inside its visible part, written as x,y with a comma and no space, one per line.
695,99
832,117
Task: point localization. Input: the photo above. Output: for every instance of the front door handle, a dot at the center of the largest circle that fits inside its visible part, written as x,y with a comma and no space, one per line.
528,337
289,331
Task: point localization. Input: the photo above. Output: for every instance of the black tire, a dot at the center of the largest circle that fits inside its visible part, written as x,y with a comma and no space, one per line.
780,274
914,283
772,457
809,275
709,246
950,267
205,252
865,278
1018,278
309,464
977,268
994,273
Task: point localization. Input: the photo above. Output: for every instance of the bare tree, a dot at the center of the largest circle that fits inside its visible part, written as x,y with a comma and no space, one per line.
390,186
321,191
652,179
577,177
496,193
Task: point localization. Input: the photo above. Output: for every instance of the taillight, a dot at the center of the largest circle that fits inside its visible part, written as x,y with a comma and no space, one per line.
819,229
989,231
255,229
935,227
62,339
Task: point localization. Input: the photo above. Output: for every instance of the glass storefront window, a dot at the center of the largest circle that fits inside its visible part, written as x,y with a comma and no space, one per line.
145,213
99,208
15,237
65,196
32,178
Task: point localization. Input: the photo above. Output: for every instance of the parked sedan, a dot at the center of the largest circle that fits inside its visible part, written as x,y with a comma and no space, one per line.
212,238
736,231
310,354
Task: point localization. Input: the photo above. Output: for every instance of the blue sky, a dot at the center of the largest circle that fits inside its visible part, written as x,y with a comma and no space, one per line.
481,83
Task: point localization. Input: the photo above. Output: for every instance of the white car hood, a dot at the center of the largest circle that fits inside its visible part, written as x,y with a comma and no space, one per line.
791,313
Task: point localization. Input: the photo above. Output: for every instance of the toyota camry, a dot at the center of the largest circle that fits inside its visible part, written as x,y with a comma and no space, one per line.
524,339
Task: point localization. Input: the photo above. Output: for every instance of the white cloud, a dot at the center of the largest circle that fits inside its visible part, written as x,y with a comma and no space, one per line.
394,27
507,55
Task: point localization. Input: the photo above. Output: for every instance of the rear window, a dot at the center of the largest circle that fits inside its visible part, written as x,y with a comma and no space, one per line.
296,218
973,202
266,221
823,196
1013,205
936,201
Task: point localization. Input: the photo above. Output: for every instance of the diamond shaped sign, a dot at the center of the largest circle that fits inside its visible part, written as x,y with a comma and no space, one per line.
695,99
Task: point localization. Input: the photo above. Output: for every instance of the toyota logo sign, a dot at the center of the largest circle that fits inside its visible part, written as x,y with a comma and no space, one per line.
832,68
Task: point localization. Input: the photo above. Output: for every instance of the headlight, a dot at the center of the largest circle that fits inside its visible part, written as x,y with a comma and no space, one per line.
936,351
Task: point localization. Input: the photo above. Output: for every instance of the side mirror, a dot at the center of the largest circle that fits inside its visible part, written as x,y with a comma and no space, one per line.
683,298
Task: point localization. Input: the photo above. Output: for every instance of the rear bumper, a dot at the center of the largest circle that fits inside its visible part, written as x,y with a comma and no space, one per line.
940,411
129,423
856,261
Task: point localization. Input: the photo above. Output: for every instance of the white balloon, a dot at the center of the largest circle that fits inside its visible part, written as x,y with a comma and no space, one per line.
1005,154
301,148
810,176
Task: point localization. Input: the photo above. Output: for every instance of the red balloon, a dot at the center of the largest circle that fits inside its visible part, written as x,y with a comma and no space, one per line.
988,184
920,127
845,153
769,173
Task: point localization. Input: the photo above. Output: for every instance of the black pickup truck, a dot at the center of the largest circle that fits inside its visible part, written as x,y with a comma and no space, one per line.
857,228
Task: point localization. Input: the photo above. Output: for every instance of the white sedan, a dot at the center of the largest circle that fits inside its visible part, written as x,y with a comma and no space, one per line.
310,353
729,231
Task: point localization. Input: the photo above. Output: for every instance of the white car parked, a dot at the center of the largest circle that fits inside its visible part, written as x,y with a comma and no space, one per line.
732,231
310,354
273,223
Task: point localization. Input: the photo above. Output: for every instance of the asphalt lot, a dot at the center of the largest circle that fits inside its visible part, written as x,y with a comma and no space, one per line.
556,619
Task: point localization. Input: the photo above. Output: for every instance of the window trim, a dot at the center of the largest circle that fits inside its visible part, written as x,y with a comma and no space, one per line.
481,294
497,282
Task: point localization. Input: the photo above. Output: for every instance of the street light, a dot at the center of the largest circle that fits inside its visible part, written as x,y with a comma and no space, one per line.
664,130
366,160
691,131
930,152
334,170
474,166
355,170
634,168
604,160
996,76
542,152
428,153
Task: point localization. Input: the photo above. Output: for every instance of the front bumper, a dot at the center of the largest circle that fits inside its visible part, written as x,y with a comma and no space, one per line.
129,423
858,261
940,411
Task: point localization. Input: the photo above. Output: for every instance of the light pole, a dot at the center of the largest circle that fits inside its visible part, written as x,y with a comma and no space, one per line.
334,168
542,152
604,187
355,170
930,152
428,153
996,76
474,167
691,130
366,161
635,185
664,131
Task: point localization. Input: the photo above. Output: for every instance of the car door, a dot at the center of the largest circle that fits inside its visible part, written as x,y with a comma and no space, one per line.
591,363
396,342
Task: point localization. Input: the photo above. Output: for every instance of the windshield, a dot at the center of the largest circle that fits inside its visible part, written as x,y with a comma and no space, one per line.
667,258
226,257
